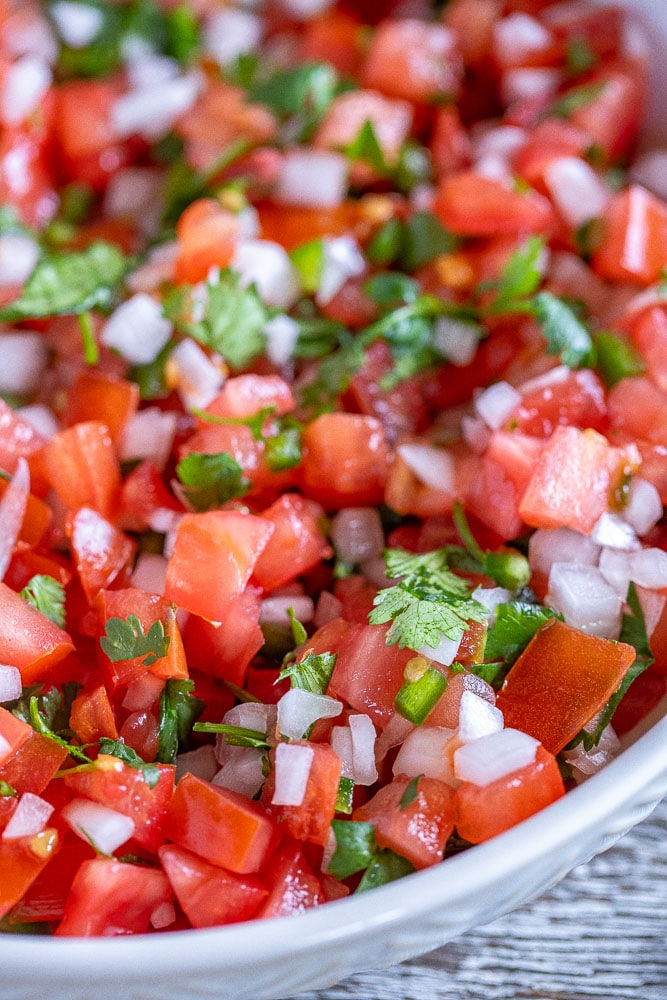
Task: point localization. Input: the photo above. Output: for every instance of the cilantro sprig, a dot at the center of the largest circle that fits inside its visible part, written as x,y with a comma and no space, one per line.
209,480
178,710
119,749
125,639
312,673
357,851
429,601
48,596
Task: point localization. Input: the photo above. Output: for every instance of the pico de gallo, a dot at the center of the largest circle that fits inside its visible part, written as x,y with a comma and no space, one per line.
333,442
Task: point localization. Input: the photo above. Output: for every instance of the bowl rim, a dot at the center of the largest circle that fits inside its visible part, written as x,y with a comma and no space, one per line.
582,811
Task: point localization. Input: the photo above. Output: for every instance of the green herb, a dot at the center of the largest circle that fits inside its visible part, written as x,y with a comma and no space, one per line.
565,334
521,277
308,259
91,354
616,359
365,148
233,322
70,283
210,480
40,725
385,245
235,736
509,568
344,796
312,673
185,185
283,450
76,201
429,602
299,633
125,639
385,867
391,289
7,790
182,34
116,748
48,596
576,98
414,166
54,706
177,713
590,236
579,57
423,239
318,337
151,377
355,847
302,93
516,624
411,792
415,699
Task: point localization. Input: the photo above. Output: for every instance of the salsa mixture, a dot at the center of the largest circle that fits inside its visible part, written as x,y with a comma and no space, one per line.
333,442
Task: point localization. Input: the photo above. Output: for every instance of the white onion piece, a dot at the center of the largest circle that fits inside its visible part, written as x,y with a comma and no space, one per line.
529,83
652,603
151,111
393,734
149,434
550,378
328,607
584,763
444,653
27,31
495,404
243,772
267,265
475,433
312,178
19,254
501,140
585,599
231,32
97,824
291,768
560,545
12,511
517,36
615,532
248,715
10,683
41,417
650,170
78,24
576,190
304,10
477,718
427,751
146,69
29,818
615,566
342,259
277,609
26,83
644,507
200,762
150,573
136,193
282,333
298,710
137,329
196,377
495,168
163,915
648,568
456,340
24,358
432,466
341,744
491,597
363,749
357,534
493,757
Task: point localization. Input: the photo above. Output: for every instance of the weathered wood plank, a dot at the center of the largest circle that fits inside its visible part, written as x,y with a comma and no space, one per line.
601,934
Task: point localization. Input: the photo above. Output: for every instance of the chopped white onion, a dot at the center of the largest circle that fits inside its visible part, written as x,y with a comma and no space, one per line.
24,358
560,545
615,532
517,36
19,254
341,744
650,170
477,718
576,190
243,772
357,534
500,140
585,599
200,762
444,653
342,259
12,511
78,24
248,715
493,757
328,607
267,265
137,329
312,178
363,749
26,83
554,376
495,404
648,568
28,32
432,466
393,734
456,340
29,818
304,10
615,567
291,767
145,68
276,609
282,333
163,915
10,683
149,434
298,710
106,828
427,750
495,168
644,507
231,32
530,83
150,573
584,763
491,597
652,603
151,111
41,417
197,378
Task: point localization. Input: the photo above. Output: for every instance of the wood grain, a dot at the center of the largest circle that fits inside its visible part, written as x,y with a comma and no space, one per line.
601,934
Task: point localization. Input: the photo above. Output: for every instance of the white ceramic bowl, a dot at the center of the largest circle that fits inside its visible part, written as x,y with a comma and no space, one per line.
277,958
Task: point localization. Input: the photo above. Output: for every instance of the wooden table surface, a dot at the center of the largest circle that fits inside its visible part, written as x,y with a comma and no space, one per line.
601,934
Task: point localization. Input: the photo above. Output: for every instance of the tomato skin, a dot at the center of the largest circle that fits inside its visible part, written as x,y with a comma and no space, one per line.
87,148
21,861
505,472
227,649
638,409
612,119
28,639
336,37
293,887
368,673
311,820
296,545
208,895
207,237
32,766
418,831
573,397
649,334
560,681
225,828
635,244
13,733
345,459
400,410
80,464
413,60
98,396
473,205
482,813
102,553
18,439
92,715
110,897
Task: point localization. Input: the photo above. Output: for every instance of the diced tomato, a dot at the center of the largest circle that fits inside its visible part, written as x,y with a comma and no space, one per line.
13,733
207,236
400,410
110,897
102,552
26,563
484,812
293,227
97,396
87,146
643,695
506,469
92,715
32,766
293,887
225,828
209,895
225,650
296,545
450,144
143,493
247,395
336,37
417,831
311,820
148,608
347,114
36,520
46,897
560,681
473,21
649,334
368,673
550,140
638,409
28,639
21,861
356,595
81,465
414,60
569,397
18,439
612,117
345,460
635,243
473,205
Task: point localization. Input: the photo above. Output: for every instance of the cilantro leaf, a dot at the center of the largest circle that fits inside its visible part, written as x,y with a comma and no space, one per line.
40,725
235,736
355,847
48,596
424,238
391,288
312,673
516,624
575,98
302,93
429,602
184,184
178,711
209,481
410,794
365,148
125,640
521,277
7,790
70,283
117,748
507,566
565,333
385,867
